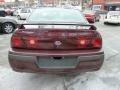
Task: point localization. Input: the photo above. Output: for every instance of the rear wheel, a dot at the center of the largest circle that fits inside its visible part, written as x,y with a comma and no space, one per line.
8,28
19,18
106,23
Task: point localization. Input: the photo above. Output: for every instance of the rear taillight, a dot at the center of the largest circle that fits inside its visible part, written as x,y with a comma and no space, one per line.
85,42
32,42
97,42
82,42
28,42
16,41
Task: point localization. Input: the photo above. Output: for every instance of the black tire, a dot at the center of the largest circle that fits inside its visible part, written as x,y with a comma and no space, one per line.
19,18
98,20
1,31
105,23
93,21
8,27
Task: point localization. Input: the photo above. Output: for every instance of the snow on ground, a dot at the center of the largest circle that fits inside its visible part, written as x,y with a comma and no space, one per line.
97,81
108,78
10,80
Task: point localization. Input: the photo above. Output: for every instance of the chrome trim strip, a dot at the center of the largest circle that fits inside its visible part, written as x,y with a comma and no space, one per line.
34,58
21,57
55,54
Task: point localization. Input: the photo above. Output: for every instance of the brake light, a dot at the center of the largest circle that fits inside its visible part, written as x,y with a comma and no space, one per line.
32,42
82,42
97,42
16,41
19,42
86,42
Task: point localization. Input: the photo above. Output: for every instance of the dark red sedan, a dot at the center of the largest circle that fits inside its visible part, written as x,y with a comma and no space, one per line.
91,16
57,41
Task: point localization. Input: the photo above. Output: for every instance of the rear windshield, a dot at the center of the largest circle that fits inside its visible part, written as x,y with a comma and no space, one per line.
57,15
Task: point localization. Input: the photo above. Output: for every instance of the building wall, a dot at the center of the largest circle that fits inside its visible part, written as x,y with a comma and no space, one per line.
74,2
98,1
104,1
113,0
2,2
48,1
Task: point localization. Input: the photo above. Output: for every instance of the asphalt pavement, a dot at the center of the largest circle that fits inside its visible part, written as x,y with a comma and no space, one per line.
107,78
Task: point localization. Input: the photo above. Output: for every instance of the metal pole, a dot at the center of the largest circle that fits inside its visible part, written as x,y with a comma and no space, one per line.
92,5
40,2
82,4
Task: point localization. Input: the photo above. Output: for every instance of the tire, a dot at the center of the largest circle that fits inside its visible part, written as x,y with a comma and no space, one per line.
98,20
105,23
19,18
8,28
1,31
93,21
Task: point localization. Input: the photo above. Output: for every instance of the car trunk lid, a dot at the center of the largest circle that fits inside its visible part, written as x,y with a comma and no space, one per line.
57,38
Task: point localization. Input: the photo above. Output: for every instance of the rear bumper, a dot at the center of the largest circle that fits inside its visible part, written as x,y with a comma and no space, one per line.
114,21
22,62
